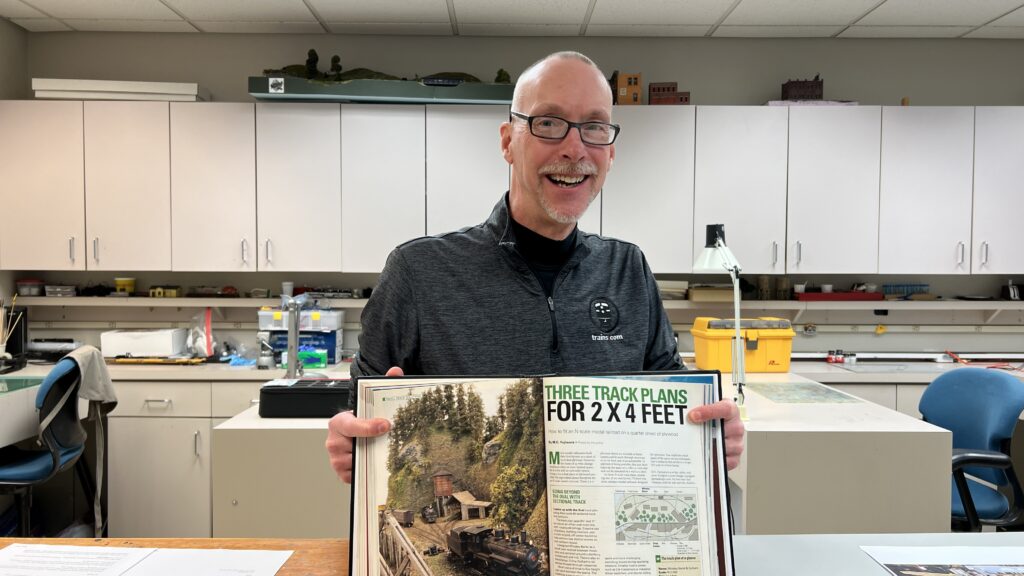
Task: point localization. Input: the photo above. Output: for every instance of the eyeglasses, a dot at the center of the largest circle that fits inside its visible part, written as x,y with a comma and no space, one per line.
555,128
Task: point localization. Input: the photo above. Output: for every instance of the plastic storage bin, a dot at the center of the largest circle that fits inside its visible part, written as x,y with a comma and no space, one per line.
768,343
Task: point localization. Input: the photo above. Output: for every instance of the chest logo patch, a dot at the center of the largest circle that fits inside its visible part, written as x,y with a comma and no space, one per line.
604,314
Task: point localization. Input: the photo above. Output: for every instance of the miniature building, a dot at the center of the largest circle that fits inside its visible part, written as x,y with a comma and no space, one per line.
804,89
666,93
442,483
470,504
626,88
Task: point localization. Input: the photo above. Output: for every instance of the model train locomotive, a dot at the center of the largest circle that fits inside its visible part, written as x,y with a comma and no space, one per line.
488,551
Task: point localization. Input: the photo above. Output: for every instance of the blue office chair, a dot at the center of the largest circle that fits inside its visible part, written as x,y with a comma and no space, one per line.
60,432
981,408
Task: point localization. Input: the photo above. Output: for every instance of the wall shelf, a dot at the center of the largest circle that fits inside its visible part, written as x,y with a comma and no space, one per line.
146,302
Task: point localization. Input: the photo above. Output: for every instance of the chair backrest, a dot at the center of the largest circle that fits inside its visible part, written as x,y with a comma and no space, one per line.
979,406
63,381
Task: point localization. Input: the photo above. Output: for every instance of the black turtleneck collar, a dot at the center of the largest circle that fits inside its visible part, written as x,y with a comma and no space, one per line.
544,256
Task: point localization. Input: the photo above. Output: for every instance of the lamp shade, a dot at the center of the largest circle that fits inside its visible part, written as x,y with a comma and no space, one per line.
716,258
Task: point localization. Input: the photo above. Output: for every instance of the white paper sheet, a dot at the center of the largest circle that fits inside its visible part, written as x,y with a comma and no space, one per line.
900,560
57,560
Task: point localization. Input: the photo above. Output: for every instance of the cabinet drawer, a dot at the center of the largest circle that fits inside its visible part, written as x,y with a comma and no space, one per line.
230,398
162,399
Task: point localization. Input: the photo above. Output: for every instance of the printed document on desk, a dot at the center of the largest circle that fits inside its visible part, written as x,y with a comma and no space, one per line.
59,560
967,560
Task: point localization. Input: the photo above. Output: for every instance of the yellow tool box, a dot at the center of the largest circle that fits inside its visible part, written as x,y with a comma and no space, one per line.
768,343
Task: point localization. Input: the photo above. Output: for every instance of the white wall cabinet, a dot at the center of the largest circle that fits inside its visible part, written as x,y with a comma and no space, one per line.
648,195
213,187
998,190
466,173
832,207
740,181
42,186
127,185
383,182
298,187
925,198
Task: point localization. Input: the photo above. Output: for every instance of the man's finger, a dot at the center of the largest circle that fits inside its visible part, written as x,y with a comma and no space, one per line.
346,424
395,371
721,410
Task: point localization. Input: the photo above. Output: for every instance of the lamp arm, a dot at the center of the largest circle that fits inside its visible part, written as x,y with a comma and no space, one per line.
739,372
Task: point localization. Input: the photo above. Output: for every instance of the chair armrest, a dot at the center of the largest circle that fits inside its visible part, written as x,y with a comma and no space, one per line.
985,458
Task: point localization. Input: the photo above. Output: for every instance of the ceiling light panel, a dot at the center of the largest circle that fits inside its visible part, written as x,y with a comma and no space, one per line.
798,12
244,10
106,9
648,30
672,12
521,12
381,11
904,31
107,25
776,31
41,24
938,12
18,9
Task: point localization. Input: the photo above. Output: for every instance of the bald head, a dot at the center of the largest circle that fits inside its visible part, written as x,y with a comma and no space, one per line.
535,72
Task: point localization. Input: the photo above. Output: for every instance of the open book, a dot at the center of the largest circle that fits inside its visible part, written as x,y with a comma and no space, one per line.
553,475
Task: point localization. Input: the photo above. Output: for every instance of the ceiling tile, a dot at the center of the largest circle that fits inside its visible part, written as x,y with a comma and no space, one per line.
1015,18
18,9
904,31
514,12
670,31
381,11
938,12
41,24
234,27
398,29
244,10
998,32
798,12
672,12
518,29
105,9
104,25
776,31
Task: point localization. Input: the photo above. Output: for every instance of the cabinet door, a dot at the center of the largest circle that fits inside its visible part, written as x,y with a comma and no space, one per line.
159,477
466,173
998,190
925,202
648,195
213,186
42,187
833,189
127,185
298,187
383,185
740,181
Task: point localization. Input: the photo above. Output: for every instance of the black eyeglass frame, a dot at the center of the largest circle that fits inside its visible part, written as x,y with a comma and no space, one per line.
568,126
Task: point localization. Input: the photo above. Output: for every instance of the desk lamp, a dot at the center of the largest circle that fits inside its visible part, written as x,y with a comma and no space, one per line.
715,259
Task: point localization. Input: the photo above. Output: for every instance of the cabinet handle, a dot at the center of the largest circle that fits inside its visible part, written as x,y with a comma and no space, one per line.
96,249
195,441
799,252
157,401
984,253
959,253
71,249
775,252
270,255
245,252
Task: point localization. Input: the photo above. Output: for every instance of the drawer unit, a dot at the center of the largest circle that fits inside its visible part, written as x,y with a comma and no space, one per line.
162,399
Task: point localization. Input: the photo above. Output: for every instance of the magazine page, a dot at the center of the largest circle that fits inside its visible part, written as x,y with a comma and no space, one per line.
460,485
457,487
630,481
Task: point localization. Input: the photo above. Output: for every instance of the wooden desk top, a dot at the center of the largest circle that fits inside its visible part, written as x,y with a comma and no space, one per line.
327,557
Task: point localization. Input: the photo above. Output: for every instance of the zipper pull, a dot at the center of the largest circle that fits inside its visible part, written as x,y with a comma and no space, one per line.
551,303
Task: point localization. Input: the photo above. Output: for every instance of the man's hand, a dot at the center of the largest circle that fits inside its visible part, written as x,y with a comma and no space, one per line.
730,412
344,427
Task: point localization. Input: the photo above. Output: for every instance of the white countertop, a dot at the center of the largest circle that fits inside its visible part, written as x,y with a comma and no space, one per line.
200,372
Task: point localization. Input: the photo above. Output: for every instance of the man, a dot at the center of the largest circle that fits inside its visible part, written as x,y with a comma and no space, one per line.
526,292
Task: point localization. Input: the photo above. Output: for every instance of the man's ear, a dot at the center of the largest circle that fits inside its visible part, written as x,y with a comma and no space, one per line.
611,157
506,141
